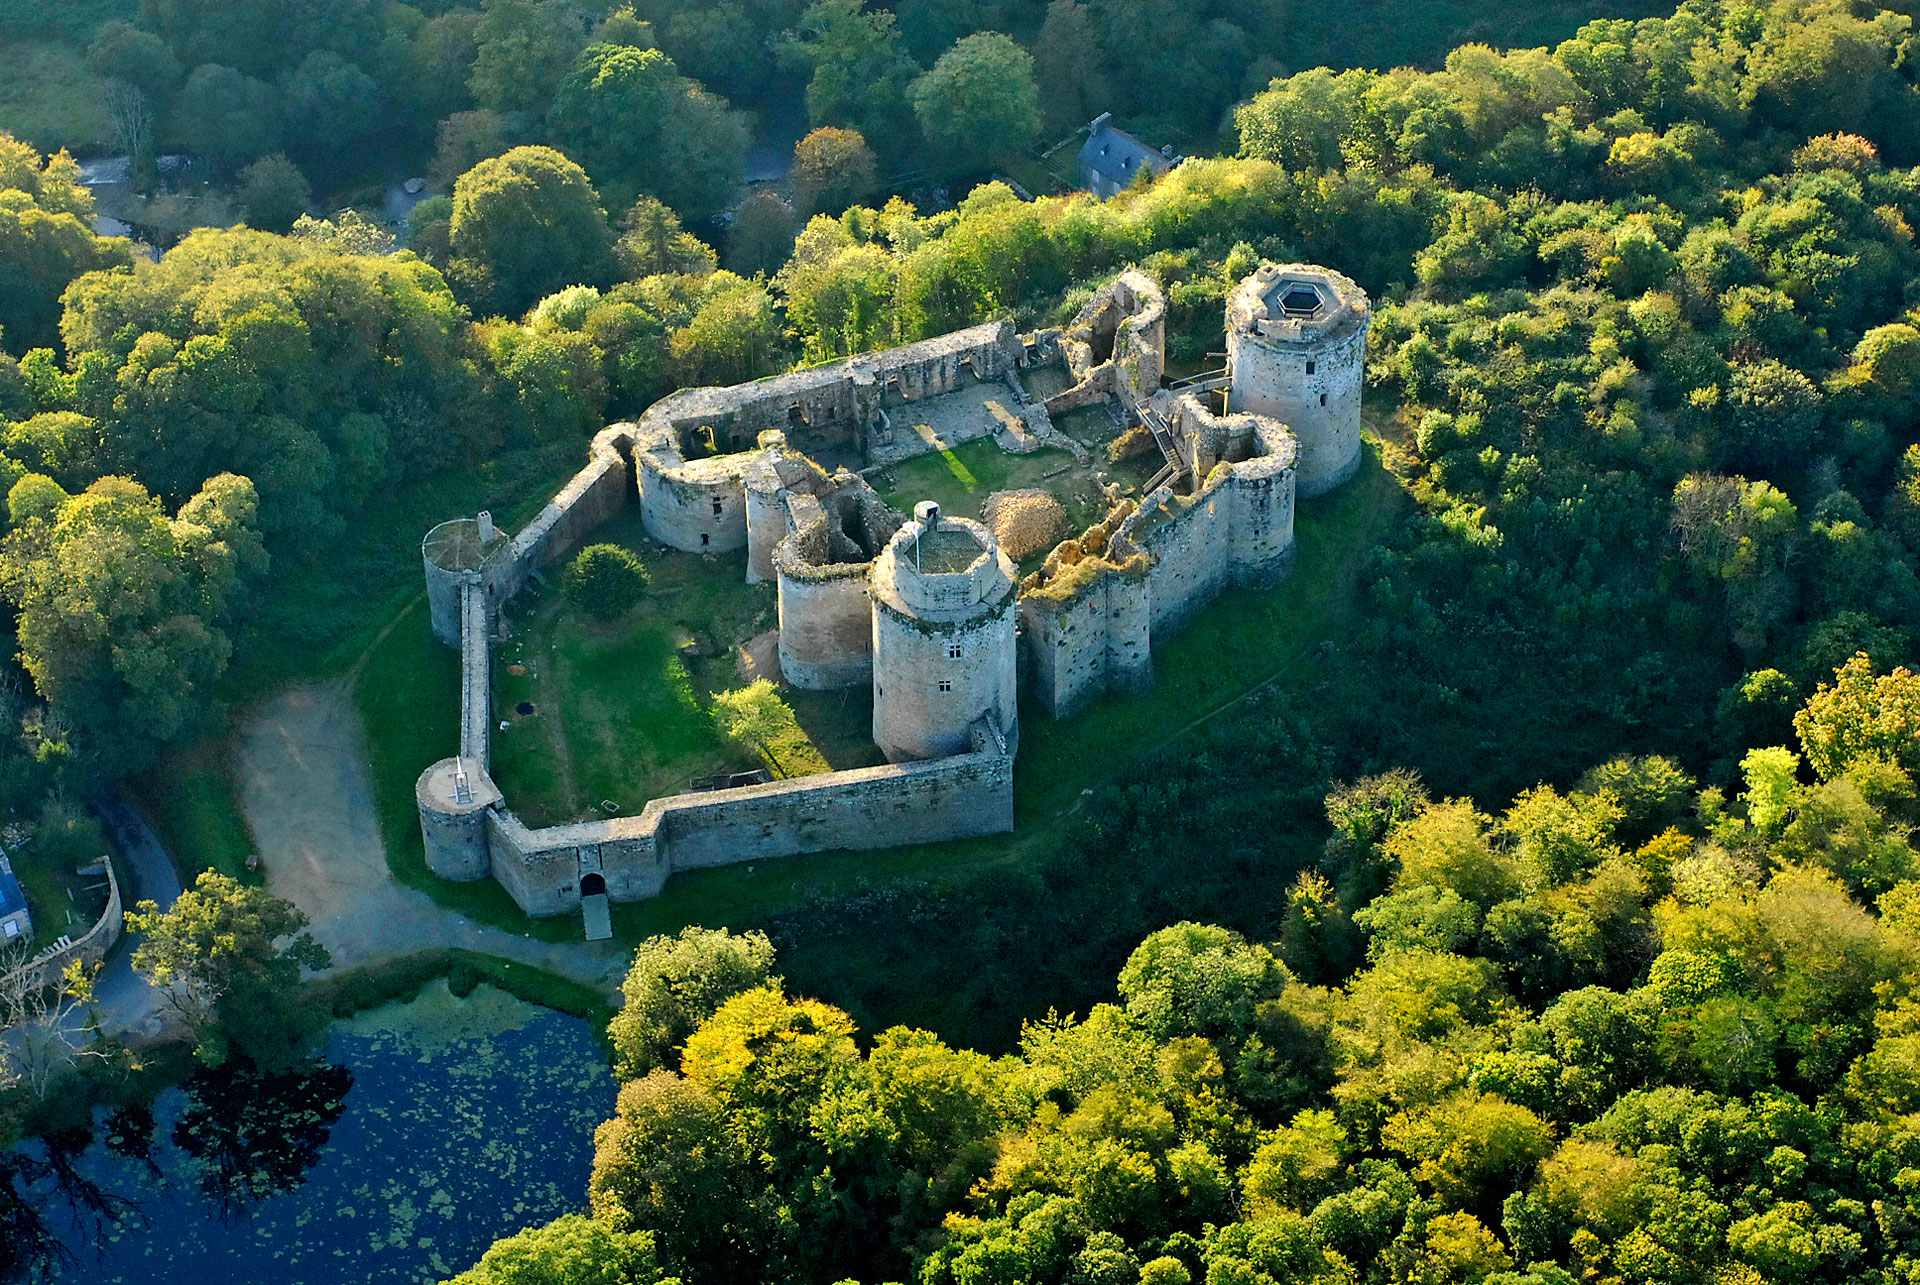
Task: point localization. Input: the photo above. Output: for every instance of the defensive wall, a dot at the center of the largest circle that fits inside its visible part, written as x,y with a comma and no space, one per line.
1090,615
930,611
877,807
47,968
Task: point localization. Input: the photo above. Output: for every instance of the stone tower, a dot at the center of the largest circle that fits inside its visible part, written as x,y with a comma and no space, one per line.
943,638
1296,351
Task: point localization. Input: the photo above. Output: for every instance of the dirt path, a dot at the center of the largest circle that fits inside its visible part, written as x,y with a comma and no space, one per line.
305,789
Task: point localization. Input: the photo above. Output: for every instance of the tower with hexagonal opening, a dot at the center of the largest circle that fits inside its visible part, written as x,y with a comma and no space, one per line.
1296,351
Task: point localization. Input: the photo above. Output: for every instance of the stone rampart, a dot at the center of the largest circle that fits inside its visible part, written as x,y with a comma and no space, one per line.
476,660
959,797
840,400
90,948
1091,615
597,492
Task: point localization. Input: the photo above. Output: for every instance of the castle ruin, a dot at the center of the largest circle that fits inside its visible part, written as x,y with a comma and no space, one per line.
928,611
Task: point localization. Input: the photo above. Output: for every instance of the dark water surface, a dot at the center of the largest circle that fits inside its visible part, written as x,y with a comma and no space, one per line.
465,1120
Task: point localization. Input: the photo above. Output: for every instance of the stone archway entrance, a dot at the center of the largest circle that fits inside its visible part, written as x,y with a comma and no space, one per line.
593,885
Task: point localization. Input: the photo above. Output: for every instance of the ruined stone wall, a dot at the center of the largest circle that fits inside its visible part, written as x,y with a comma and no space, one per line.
840,399
1090,643
1091,615
596,493
1128,318
954,798
697,506
90,948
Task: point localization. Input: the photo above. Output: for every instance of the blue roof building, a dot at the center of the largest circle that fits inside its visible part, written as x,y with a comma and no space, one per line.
16,925
1111,158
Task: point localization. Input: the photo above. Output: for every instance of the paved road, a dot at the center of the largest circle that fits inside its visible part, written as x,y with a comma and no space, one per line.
127,1004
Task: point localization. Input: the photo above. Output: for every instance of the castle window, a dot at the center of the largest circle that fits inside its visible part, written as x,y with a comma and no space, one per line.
716,506
703,539
1309,368
1323,399
953,651
946,684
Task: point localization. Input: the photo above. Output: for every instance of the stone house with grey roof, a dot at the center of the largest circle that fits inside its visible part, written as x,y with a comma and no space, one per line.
1111,158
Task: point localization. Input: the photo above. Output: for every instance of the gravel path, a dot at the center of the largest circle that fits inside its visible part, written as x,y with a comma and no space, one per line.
306,791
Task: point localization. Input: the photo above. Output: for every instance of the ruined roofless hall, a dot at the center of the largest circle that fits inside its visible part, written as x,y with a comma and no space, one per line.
929,612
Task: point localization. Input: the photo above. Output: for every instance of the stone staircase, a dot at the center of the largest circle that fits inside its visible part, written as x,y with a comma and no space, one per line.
597,916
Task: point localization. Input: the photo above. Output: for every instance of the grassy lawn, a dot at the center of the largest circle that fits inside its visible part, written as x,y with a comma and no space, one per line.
193,800
961,479
316,617
622,711
49,98
62,902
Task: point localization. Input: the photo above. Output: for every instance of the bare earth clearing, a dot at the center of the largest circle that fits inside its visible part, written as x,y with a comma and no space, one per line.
305,789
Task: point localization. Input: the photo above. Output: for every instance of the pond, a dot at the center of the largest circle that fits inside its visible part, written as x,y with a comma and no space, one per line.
441,1125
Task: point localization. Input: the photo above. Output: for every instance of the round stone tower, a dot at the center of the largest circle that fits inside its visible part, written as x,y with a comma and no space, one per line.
453,797
1296,350
455,553
943,638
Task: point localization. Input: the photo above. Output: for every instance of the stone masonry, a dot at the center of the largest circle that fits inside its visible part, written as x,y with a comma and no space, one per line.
929,611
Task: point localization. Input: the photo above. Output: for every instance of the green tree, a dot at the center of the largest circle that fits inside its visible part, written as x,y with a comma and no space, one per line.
46,241
677,983
1195,979
571,1250
653,242
122,609
978,102
229,958
605,580
523,49
532,223
121,51
273,193
633,119
762,235
860,72
753,715
832,169
224,113
1859,716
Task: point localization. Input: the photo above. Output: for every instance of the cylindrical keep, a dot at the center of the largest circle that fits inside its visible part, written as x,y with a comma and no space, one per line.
699,507
944,656
1296,350
453,797
453,553
826,627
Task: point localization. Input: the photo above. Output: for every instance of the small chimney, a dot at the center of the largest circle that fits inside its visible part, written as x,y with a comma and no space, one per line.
927,514
1166,150
488,532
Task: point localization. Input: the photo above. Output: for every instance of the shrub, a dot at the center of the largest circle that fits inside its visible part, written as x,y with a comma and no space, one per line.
605,581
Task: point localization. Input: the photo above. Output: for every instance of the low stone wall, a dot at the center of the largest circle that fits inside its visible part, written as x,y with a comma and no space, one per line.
89,949
878,807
